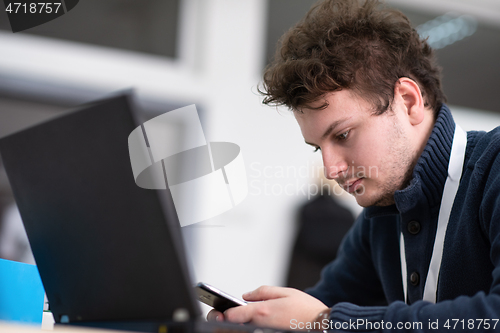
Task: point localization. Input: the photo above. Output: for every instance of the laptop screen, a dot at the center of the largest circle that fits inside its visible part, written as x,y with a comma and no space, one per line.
105,248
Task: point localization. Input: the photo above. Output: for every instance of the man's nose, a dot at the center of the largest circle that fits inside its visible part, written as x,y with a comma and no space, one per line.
335,165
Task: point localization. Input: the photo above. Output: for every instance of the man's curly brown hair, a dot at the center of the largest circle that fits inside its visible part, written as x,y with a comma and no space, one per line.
348,44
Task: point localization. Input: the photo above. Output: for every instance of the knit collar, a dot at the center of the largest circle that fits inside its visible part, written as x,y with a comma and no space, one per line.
430,172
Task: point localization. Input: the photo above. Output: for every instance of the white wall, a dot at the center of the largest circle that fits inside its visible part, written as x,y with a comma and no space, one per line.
475,120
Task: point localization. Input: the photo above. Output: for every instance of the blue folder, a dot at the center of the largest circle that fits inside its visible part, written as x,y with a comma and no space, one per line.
21,292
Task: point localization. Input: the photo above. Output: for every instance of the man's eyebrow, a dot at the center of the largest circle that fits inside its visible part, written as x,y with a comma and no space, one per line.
330,129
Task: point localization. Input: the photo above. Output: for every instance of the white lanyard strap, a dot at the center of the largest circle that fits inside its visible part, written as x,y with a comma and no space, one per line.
455,166
404,273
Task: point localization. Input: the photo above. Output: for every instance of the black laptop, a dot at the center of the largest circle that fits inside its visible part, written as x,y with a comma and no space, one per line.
110,254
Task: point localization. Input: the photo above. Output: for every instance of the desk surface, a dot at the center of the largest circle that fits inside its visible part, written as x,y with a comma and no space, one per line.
6,327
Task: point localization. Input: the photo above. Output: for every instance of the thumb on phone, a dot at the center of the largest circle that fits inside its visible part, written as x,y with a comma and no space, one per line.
264,293
215,315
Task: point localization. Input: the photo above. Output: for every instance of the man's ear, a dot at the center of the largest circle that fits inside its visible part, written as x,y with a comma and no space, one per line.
412,98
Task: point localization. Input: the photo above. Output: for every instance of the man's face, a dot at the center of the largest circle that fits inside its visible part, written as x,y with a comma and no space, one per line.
370,156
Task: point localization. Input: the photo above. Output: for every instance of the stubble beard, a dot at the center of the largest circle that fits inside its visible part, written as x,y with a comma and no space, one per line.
401,158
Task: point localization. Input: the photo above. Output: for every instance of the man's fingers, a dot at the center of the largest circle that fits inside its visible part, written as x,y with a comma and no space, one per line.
266,292
215,315
240,314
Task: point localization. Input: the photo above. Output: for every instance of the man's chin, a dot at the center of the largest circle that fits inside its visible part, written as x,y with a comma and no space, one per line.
363,203
367,200
362,199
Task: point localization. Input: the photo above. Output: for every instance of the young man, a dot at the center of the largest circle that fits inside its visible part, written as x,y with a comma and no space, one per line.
425,252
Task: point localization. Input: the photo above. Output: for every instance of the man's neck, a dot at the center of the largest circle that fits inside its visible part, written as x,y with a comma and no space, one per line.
427,126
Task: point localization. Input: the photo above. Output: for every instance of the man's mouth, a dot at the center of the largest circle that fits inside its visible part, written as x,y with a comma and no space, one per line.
353,185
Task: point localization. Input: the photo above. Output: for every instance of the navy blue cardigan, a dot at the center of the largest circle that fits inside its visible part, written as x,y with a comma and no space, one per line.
367,271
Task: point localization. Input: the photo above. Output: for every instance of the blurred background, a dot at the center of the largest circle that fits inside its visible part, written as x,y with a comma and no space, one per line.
212,52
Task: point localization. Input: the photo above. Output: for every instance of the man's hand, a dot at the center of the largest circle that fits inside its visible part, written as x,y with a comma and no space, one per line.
273,307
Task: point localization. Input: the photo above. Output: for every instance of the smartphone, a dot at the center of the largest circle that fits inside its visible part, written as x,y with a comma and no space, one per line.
217,299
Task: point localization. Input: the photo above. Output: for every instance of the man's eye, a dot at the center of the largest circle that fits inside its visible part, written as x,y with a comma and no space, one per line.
343,136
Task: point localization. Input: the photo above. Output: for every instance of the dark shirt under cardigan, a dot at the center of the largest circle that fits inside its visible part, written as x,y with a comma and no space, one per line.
365,282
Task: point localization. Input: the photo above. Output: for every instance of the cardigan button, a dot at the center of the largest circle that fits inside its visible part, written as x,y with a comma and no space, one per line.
414,278
414,227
